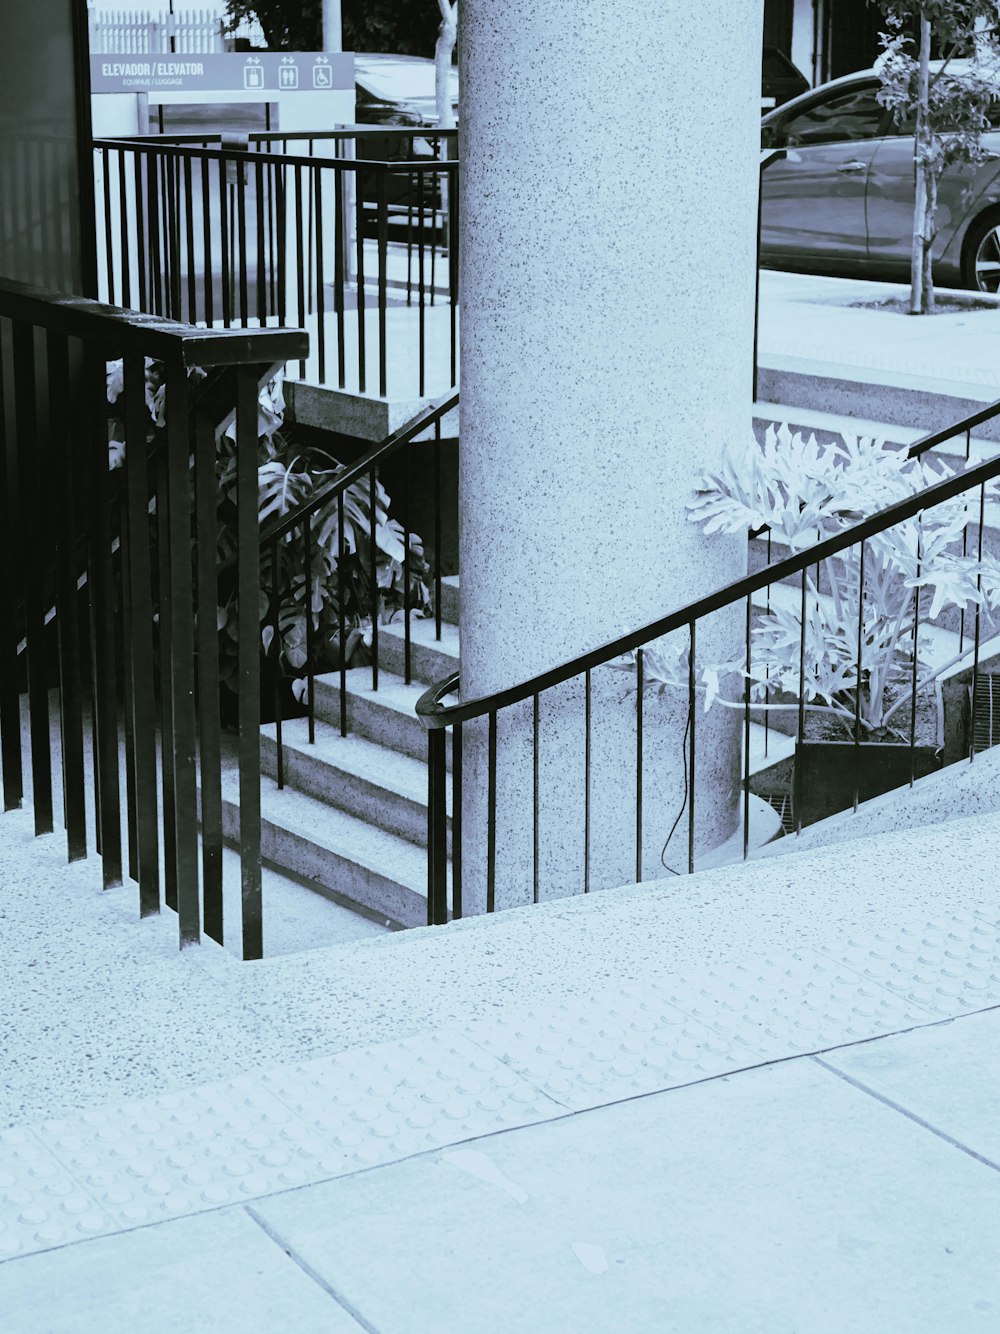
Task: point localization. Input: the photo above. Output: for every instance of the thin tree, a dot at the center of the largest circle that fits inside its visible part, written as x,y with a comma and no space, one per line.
444,49
947,104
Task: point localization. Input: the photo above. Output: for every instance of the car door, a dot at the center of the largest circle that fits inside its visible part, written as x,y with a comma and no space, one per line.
813,200
891,197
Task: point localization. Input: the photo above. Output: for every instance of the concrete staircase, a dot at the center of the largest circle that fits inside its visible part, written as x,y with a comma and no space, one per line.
351,819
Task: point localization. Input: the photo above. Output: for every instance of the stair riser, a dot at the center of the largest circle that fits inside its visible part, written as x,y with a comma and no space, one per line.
376,722
357,796
358,884
428,663
449,603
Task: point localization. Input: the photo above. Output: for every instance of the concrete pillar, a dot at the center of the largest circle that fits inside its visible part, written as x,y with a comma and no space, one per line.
609,184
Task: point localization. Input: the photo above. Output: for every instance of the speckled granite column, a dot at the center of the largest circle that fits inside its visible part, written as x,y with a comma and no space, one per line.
609,184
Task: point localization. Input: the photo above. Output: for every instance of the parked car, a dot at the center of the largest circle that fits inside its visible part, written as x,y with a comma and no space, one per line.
841,198
399,91
779,79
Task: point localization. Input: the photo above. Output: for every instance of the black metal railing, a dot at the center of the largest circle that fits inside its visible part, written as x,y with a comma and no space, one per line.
108,607
294,230
962,478
292,546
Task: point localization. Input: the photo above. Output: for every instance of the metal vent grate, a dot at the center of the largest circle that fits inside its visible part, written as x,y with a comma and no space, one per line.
986,721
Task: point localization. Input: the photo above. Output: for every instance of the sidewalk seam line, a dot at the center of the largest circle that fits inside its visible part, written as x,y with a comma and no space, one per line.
910,1116
273,1235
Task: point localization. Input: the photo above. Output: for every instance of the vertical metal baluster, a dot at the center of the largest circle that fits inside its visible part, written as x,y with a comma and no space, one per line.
857,698
422,292
320,281
191,315
746,739
586,782
224,229
437,848
767,665
339,266
407,637
916,635
140,229
456,821
124,235
248,614
341,616
163,612
109,249
65,443
32,527
692,711
281,198
300,274
171,238
437,529
453,255
800,730
122,639
261,273
975,642
383,252
359,238
535,790
206,223
373,574
310,632
101,585
156,294
491,815
640,686
180,668
241,238
209,721
276,656
271,258
11,557
965,545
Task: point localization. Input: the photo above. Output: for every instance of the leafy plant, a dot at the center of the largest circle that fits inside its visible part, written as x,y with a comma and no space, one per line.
803,492
289,475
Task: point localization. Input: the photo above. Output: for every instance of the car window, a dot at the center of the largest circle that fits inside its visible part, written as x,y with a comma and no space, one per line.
855,114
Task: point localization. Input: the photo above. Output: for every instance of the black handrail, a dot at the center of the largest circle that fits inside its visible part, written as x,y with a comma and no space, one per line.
226,154
435,715
118,332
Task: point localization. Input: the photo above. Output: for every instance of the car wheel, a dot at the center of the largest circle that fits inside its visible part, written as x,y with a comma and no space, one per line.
981,269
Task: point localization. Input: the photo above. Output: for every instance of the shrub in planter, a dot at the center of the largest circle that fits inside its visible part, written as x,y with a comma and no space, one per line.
804,492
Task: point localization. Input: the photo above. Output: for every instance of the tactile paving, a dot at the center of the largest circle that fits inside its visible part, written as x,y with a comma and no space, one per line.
41,1204
607,1047
948,966
164,1157
793,1004
377,1104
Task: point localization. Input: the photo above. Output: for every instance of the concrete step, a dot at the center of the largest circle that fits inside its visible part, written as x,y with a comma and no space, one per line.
828,426
431,659
335,853
369,781
387,715
449,598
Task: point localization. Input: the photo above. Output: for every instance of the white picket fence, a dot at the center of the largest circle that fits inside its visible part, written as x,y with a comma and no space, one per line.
125,31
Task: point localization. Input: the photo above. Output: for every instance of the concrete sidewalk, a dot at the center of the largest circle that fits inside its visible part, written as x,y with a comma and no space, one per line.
742,1100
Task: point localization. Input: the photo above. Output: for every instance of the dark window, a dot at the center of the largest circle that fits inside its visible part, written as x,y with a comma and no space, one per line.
851,115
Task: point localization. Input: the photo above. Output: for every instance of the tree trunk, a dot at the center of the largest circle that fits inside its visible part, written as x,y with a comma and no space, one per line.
920,276
443,49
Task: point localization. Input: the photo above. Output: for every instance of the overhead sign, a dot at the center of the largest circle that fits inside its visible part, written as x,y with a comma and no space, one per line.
264,71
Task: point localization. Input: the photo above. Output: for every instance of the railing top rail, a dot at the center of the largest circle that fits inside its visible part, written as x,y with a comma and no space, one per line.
292,136
121,332
156,145
435,715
